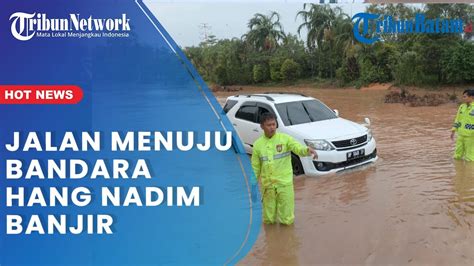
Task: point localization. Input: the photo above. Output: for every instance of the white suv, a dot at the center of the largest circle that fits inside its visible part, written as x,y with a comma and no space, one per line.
341,144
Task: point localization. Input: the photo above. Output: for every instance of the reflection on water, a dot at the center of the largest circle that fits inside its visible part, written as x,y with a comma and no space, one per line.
280,243
463,202
414,206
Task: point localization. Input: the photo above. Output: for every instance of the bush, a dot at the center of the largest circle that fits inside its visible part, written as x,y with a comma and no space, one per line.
376,63
349,71
368,72
221,75
275,67
290,70
457,63
407,71
260,73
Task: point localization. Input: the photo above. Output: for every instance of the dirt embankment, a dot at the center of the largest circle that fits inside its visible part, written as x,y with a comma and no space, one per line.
414,99
409,96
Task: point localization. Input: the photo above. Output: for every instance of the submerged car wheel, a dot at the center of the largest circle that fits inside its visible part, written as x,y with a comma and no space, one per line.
297,166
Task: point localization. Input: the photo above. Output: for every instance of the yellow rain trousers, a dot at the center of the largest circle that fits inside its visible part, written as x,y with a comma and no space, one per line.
271,162
464,127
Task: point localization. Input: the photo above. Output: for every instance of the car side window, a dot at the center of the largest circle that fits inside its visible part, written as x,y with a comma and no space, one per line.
228,105
263,109
248,113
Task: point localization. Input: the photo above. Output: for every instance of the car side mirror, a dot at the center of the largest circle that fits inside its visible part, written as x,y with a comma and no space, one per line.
367,121
336,112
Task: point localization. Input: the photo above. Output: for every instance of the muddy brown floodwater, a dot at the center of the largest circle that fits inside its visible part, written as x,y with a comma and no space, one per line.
414,206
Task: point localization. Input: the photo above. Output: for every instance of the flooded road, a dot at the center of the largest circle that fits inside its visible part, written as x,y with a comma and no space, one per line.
414,206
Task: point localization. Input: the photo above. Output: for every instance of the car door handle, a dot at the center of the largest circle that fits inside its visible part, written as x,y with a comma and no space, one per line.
255,130
234,124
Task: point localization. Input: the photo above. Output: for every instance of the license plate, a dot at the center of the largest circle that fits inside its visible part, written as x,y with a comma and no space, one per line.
355,154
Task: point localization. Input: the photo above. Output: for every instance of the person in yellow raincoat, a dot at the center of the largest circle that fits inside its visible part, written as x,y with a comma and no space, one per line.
464,127
271,162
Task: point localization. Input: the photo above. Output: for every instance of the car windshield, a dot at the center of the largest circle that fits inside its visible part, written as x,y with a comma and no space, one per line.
295,113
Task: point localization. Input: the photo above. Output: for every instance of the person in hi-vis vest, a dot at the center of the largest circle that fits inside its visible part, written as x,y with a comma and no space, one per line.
464,127
271,162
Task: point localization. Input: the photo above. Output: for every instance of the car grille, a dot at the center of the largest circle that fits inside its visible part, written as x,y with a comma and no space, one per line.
327,166
347,142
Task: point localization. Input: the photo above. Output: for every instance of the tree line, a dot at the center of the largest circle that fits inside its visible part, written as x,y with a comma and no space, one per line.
329,51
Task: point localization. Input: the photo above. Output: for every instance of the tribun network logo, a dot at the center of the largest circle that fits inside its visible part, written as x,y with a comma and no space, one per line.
26,26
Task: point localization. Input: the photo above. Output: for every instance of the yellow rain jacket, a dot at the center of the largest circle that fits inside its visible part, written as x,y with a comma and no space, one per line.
464,127
464,122
271,159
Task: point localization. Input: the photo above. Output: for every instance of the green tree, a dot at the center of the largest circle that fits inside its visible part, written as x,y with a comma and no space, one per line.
294,48
260,73
457,63
265,32
317,20
290,70
275,67
329,50
329,32
408,70
376,62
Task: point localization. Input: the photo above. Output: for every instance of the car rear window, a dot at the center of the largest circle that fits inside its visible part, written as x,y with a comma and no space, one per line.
295,113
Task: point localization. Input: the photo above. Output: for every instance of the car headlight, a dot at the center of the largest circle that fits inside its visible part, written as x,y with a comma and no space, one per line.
319,144
369,135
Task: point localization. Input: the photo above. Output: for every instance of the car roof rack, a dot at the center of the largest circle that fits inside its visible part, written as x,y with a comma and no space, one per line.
279,92
256,95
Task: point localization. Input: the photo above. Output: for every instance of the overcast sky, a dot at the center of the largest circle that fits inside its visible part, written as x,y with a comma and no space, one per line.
225,20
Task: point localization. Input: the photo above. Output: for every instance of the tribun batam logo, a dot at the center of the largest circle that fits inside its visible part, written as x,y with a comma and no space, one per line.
26,26
372,26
